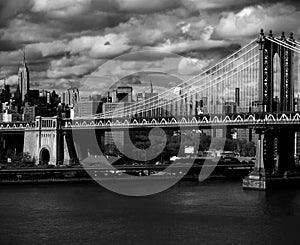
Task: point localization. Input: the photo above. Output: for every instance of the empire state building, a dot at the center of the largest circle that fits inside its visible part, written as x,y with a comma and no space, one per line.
23,79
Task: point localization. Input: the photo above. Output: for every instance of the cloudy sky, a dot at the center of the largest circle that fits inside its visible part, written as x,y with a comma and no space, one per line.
72,42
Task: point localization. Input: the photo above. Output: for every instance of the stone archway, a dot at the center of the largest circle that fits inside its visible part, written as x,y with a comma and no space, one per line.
44,156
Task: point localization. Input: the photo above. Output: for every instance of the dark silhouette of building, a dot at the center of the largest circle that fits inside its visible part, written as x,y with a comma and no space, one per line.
124,94
33,97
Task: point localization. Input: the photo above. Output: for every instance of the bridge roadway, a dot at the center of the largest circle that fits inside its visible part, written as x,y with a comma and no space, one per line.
239,120
18,127
245,120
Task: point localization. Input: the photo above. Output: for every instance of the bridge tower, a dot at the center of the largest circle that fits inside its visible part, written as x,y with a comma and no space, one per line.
275,147
277,81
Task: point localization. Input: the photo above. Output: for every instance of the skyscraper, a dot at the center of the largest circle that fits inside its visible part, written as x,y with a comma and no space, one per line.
71,97
23,79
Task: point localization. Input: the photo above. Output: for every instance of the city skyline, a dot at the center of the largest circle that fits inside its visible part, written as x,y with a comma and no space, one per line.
149,121
66,42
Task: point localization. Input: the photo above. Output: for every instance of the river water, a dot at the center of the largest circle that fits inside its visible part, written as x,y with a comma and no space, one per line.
213,212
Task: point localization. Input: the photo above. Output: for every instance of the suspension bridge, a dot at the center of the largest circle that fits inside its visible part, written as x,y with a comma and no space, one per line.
257,87
261,77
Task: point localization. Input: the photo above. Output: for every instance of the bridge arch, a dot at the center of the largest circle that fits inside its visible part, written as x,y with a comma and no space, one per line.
45,155
277,82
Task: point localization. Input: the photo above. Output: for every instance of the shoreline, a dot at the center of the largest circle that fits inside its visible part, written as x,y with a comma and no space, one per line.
110,179
136,174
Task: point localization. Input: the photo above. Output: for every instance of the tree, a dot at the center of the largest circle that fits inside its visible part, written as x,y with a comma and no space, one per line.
205,141
111,150
217,143
248,149
230,145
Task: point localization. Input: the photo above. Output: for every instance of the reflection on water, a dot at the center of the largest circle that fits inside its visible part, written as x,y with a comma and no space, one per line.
213,212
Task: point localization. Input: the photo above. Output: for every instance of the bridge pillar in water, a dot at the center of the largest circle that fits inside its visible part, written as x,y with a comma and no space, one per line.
275,151
257,178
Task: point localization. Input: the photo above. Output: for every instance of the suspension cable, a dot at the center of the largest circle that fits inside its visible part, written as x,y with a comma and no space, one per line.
284,44
157,98
199,89
208,85
190,85
297,42
180,98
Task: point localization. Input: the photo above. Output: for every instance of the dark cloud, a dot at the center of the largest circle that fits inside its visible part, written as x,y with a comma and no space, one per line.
219,52
9,45
136,6
11,9
230,5
70,39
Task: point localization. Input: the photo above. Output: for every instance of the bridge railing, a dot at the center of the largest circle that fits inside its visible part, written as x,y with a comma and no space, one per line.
238,119
16,125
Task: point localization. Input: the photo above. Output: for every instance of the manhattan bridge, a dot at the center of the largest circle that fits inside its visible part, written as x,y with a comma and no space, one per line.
255,88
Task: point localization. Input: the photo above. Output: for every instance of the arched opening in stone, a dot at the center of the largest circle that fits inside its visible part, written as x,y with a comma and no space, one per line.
44,156
276,83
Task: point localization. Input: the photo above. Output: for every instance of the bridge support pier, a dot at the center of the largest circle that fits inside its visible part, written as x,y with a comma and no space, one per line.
257,178
70,146
59,145
274,159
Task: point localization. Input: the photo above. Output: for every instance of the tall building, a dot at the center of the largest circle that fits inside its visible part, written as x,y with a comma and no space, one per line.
29,113
89,108
124,94
146,95
23,79
7,94
71,97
